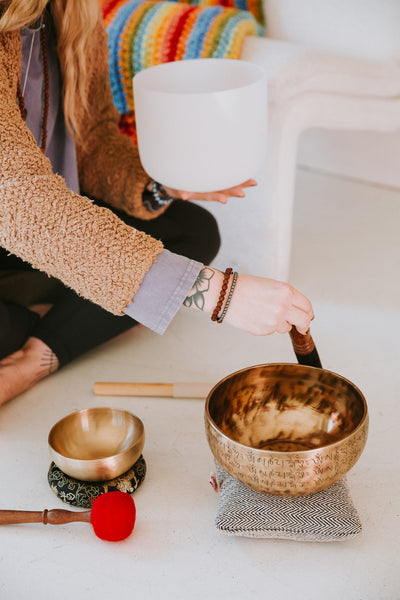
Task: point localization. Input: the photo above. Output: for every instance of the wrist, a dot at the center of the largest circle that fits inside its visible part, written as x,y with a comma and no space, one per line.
213,293
205,291
160,195
155,197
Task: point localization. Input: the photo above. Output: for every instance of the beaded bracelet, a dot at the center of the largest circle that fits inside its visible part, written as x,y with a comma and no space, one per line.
217,309
221,318
160,195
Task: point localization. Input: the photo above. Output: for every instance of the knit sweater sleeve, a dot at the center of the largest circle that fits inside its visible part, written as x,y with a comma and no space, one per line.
61,233
108,161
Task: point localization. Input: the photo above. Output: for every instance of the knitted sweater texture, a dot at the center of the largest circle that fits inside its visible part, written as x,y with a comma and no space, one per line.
57,231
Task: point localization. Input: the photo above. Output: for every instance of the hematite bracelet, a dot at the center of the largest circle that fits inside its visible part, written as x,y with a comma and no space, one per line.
221,318
217,309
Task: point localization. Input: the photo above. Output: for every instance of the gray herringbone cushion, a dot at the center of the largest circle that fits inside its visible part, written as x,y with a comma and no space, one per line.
325,516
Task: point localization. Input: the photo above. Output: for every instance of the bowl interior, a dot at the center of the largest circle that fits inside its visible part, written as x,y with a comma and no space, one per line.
285,408
95,433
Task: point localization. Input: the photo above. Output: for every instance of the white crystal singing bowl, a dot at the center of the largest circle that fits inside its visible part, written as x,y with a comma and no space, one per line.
201,123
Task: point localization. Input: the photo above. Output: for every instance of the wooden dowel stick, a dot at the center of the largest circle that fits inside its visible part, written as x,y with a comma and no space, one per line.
167,390
115,388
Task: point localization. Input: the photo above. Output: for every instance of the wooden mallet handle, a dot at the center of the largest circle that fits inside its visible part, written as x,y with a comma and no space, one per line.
56,516
304,348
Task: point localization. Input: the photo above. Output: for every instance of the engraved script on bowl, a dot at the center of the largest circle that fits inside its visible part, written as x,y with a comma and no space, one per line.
286,429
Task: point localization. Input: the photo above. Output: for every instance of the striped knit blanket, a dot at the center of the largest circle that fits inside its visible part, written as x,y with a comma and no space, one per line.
143,33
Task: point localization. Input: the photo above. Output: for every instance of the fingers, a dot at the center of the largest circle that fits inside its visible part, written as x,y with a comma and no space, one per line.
292,309
298,318
249,183
284,327
295,309
237,190
234,193
220,196
303,303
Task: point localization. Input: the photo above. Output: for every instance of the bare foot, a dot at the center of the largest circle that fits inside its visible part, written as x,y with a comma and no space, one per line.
40,309
25,367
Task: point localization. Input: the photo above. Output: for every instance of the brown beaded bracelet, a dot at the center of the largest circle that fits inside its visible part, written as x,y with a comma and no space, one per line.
217,309
233,285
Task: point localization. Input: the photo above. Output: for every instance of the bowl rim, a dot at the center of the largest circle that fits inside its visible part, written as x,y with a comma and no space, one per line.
92,461
275,453
141,77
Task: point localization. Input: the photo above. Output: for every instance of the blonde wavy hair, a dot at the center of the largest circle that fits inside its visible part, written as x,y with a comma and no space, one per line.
75,21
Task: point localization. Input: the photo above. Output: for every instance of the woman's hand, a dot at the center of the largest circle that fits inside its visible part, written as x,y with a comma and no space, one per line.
221,196
259,305
263,306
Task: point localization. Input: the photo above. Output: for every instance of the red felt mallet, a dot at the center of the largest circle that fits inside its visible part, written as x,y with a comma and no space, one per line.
112,516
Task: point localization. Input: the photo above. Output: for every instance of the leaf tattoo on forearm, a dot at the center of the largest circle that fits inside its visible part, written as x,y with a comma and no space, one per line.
200,287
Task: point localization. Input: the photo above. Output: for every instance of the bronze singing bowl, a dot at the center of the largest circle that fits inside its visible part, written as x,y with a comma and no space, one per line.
96,444
286,429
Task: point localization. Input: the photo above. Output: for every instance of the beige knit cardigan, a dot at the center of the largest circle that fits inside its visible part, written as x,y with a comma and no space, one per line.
57,231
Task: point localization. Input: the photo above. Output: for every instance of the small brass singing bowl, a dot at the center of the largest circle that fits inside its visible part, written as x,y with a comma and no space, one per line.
286,429
96,444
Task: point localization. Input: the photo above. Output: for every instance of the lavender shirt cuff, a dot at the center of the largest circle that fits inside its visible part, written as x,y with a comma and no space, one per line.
163,290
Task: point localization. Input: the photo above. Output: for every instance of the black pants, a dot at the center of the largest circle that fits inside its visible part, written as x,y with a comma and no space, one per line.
75,325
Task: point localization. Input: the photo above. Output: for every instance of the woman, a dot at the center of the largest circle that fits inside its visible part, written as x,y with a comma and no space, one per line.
86,236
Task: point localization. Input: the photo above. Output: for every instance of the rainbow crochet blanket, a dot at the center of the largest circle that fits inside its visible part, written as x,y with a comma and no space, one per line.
143,33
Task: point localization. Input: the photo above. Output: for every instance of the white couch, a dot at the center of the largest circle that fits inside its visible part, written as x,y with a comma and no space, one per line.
331,64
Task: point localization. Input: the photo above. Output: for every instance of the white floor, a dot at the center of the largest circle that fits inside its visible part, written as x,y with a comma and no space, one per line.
346,257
